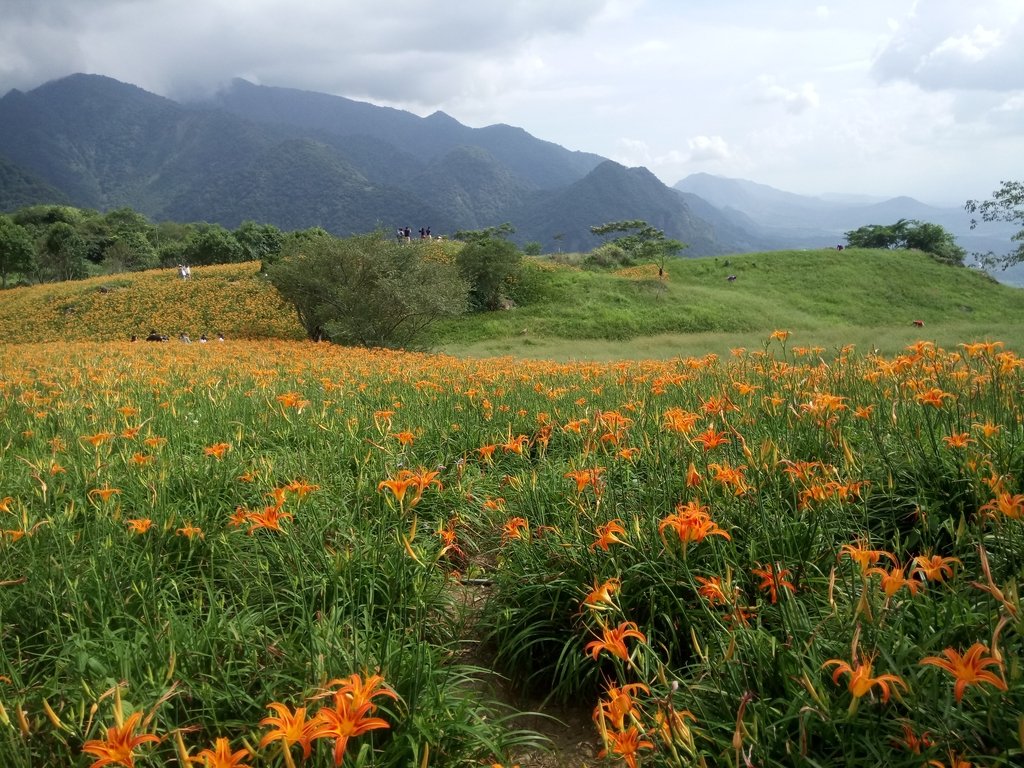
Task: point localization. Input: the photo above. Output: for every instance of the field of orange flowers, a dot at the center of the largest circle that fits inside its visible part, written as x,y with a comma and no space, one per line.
232,299
250,554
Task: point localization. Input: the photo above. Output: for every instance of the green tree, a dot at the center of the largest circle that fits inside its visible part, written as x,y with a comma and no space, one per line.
879,236
260,242
933,239
1007,204
130,251
62,254
213,244
366,290
640,241
16,249
490,264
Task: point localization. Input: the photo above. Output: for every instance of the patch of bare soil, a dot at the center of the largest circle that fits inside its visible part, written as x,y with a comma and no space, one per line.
569,729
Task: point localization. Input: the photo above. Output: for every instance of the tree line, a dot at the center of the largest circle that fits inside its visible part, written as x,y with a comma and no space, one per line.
50,243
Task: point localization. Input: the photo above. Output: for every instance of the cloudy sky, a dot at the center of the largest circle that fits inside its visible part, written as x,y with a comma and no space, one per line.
874,97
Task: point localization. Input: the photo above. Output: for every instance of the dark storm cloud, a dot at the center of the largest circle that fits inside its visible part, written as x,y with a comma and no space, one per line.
398,50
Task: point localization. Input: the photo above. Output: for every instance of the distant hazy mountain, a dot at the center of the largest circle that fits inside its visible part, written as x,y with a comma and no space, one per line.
299,159
770,214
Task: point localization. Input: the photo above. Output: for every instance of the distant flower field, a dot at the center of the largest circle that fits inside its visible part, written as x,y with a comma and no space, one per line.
232,299
254,553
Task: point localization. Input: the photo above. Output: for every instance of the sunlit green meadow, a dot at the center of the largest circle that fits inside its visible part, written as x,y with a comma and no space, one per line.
783,555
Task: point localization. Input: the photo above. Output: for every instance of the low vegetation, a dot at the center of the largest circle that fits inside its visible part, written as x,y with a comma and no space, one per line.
256,551
564,309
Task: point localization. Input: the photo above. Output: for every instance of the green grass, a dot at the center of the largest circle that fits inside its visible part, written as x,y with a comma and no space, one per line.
827,298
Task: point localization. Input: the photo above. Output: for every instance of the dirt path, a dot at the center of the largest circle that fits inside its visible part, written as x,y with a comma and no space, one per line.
573,739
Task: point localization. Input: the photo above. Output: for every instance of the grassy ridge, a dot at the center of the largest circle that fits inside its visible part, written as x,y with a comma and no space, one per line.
819,292
867,297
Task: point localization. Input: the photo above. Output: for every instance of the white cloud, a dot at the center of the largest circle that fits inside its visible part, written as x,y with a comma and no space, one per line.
708,148
795,100
955,45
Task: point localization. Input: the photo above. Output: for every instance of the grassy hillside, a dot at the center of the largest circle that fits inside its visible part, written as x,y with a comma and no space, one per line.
866,297
828,298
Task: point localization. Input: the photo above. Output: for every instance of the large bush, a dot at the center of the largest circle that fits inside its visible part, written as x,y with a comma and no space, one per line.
366,290
490,264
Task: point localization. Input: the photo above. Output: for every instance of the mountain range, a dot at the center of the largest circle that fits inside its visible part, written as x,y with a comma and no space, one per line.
301,159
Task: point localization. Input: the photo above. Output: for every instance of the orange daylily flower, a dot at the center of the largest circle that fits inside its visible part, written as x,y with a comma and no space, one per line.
398,485
710,439
349,715
679,420
289,728
422,478
893,580
404,479
861,680
968,669
728,475
691,522
863,556
911,741
934,567
1007,505
217,450
934,397
958,440
514,444
585,477
103,494
119,746
221,756
625,744
270,518
618,706
300,488
495,505
773,578
979,348
692,476
139,525
601,597
712,590
292,400
98,439
5,503
405,437
191,531
613,640
516,528
607,534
